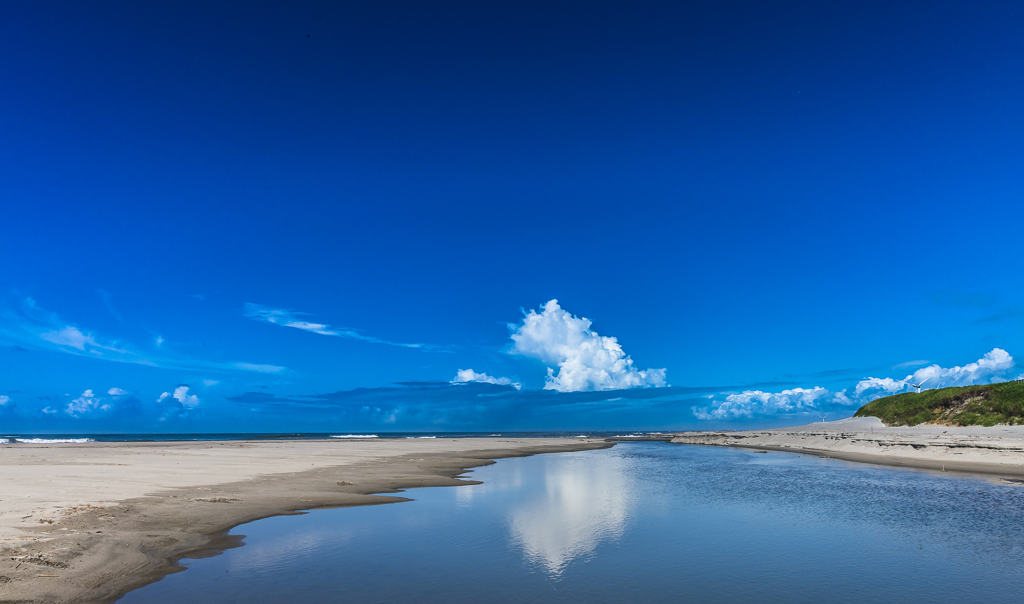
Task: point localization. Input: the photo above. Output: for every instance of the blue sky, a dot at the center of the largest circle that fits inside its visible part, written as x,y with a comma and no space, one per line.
312,218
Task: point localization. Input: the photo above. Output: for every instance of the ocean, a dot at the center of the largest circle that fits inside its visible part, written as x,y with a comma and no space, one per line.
639,521
235,436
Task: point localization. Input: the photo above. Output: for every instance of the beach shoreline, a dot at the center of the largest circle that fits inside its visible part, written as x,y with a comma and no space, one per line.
994,451
89,522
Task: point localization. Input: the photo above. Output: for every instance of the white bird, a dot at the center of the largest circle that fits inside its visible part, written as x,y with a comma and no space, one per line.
918,386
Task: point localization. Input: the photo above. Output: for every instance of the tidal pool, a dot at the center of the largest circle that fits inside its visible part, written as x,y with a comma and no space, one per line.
639,521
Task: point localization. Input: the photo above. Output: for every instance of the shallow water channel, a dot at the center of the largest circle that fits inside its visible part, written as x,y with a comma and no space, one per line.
640,520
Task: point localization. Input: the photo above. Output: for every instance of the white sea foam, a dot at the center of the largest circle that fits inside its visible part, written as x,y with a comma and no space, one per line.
47,441
421,437
581,436
356,436
5,441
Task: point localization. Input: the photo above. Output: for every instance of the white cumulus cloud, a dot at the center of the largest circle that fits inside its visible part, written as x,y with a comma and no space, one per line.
995,366
584,359
463,376
85,403
4,399
181,395
115,391
758,403
871,388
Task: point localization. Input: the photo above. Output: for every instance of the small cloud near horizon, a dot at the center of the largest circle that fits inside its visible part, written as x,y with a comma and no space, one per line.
464,376
995,366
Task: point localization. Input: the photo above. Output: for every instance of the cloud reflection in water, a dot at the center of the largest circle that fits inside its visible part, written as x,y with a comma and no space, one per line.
584,502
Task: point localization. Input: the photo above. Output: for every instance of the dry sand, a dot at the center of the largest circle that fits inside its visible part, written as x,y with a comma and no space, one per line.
89,522
998,450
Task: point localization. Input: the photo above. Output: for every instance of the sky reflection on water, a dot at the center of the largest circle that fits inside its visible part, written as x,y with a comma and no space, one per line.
577,504
641,520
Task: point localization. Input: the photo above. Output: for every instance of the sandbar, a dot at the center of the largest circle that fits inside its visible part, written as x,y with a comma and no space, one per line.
88,522
996,450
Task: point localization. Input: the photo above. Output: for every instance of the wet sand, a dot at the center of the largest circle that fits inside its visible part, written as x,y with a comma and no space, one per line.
89,522
997,451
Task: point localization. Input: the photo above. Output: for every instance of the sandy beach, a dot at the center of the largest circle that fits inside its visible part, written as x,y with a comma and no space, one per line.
997,450
87,522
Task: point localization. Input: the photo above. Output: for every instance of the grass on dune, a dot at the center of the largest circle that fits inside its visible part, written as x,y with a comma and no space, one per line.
961,406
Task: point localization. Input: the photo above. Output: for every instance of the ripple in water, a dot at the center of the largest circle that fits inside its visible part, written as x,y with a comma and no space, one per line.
640,521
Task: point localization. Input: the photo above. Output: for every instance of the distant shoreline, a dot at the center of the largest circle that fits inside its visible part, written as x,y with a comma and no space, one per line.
993,451
89,522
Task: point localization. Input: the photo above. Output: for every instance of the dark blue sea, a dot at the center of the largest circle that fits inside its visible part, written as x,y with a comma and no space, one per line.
83,438
640,521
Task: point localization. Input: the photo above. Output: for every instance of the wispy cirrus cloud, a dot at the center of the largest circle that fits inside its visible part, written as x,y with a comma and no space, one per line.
906,364
33,327
71,337
290,318
254,367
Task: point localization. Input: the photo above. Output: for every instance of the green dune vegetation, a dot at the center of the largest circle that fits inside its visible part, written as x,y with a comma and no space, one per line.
987,405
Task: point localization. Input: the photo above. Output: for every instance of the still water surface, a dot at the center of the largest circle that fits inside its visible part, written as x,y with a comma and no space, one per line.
639,521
